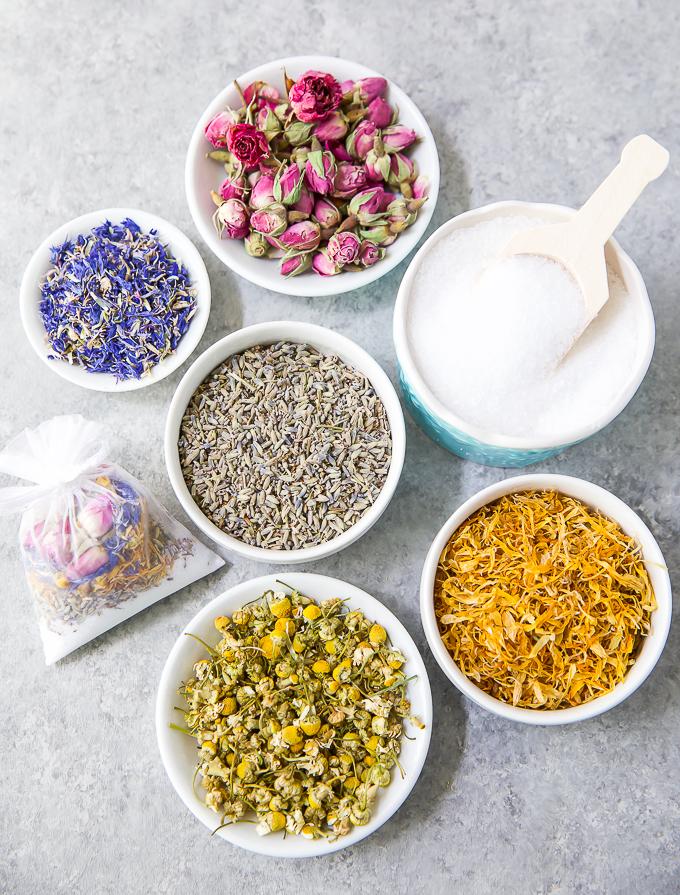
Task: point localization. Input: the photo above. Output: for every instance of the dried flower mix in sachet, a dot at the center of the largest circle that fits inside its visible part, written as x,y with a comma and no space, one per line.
96,546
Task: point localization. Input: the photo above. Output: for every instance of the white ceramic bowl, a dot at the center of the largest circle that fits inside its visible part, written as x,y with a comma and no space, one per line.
327,341
488,447
178,751
630,522
183,250
203,174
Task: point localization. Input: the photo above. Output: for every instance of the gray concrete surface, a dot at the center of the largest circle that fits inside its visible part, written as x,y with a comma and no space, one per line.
527,100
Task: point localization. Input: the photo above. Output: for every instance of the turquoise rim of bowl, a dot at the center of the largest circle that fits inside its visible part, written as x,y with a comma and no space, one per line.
464,445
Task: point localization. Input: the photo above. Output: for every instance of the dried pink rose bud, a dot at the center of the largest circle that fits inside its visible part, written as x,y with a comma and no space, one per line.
320,168
360,142
247,144
305,202
369,201
297,264
275,250
339,151
400,215
232,217
233,188
420,187
267,122
332,127
323,265
325,213
256,244
370,253
288,184
217,128
270,221
377,165
380,234
347,87
298,133
369,88
262,193
266,94
380,112
402,170
349,179
303,236
89,562
96,516
343,248
314,95
398,137
299,156
54,542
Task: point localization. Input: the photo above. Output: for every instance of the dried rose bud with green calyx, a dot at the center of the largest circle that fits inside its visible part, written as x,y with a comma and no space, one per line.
325,213
370,253
349,179
298,133
262,193
288,184
320,170
402,170
343,248
377,162
296,264
324,266
333,127
301,237
379,112
270,221
232,215
380,234
397,138
360,141
256,245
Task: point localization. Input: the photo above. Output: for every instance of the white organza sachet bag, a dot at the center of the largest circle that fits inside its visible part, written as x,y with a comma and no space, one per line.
96,545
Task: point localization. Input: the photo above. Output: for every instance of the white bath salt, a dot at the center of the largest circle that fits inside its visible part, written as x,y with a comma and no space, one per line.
488,333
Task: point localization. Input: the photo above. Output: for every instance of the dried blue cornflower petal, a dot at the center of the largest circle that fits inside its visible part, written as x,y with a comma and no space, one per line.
115,300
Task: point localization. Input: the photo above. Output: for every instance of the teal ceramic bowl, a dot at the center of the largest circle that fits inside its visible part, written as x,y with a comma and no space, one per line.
471,442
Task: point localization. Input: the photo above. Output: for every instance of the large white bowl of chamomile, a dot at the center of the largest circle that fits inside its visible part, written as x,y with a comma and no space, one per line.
294,719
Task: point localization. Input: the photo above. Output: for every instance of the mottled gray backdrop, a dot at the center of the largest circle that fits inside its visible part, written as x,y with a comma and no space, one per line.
527,100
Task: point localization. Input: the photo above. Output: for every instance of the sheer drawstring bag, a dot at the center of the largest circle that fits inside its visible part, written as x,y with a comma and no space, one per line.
95,544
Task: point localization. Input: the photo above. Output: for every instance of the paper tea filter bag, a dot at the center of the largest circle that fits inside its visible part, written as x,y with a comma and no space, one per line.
96,546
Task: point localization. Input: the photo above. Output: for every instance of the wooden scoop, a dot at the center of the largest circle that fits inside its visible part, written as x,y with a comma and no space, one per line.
578,244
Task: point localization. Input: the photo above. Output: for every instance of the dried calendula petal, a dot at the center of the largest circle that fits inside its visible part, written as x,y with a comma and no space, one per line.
542,601
299,735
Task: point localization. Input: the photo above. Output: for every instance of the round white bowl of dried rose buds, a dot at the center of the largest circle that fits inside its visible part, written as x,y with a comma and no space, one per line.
312,175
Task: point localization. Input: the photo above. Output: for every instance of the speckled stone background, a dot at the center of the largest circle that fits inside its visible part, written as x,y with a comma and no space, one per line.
527,100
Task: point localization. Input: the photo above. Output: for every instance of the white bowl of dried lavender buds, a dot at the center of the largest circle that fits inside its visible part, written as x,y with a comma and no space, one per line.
312,175
284,442
115,299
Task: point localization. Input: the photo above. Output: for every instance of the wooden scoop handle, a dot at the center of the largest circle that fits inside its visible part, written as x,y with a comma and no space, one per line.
642,161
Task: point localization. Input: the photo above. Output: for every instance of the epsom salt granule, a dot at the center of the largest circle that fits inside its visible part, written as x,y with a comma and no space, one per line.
487,335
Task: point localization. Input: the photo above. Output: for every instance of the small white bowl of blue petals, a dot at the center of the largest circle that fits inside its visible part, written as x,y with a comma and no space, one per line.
115,299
